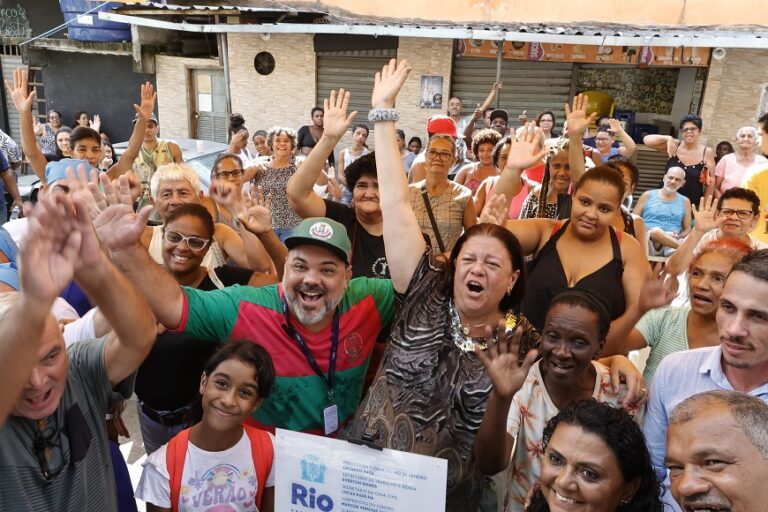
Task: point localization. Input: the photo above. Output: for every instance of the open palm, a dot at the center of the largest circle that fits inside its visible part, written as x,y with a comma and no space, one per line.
388,82
577,117
23,99
502,363
336,122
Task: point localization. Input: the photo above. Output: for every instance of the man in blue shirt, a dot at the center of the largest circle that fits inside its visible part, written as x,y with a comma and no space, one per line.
739,363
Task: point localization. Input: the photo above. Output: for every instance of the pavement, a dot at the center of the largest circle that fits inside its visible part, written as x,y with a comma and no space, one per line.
133,448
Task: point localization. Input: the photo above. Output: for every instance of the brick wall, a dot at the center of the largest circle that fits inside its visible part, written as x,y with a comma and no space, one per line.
427,57
732,93
283,97
173,93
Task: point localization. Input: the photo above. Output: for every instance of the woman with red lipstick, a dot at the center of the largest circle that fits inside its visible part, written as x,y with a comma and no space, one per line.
573,336
672,329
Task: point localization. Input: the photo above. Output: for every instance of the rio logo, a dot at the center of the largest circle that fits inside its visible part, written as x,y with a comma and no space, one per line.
309,498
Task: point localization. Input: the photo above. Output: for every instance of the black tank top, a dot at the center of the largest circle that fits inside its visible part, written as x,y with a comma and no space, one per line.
546,278
692,189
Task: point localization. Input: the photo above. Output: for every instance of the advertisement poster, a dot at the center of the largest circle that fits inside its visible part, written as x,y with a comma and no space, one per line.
431,91
678,56
314,473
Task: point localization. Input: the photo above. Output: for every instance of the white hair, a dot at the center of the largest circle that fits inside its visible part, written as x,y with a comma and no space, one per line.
747,128
174,172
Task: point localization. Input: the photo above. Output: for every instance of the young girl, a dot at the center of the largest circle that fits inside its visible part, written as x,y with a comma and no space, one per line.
218,462
349,155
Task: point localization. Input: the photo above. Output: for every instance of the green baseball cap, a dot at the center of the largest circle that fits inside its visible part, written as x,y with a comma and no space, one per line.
323,232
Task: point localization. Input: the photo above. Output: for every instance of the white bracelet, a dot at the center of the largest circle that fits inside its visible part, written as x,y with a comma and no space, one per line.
378,115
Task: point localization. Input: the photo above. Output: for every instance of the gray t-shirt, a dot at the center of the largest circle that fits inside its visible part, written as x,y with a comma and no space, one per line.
79,462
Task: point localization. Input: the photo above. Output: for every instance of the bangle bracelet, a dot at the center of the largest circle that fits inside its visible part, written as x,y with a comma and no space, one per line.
378,115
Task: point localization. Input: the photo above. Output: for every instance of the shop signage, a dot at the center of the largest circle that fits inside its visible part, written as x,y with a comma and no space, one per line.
677,56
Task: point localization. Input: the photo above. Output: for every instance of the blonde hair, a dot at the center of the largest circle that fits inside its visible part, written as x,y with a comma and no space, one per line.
174,172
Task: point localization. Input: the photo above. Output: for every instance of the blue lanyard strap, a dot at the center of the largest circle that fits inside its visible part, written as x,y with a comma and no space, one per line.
296,336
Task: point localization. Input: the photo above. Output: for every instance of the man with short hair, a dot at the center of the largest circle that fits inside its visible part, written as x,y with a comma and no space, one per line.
756,180
499,120
666,213
319,325
717,452
732,216
54,446
739,363
154,153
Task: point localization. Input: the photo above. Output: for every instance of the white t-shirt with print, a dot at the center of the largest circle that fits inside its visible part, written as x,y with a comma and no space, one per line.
210,481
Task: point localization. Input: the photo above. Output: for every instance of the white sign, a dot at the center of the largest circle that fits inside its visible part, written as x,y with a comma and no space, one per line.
320,474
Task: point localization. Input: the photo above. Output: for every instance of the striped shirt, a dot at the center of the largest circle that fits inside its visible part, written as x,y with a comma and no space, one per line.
298,395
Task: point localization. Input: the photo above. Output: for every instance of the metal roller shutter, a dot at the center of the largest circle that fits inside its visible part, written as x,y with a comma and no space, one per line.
652,165
353,70
530,86
9,64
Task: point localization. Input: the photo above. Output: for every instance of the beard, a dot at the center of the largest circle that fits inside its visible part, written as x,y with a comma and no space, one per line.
310,317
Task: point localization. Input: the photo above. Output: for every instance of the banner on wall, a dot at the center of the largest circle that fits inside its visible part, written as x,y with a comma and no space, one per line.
677,56
314,473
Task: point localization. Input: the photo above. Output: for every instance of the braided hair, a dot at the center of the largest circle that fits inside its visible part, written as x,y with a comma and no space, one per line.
561,144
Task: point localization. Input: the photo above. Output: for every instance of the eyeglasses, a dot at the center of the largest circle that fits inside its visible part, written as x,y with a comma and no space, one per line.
690,129
442,155
195,243
229,175
742,214
45,440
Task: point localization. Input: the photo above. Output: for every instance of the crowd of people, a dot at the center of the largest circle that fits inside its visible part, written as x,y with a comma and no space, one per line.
475,299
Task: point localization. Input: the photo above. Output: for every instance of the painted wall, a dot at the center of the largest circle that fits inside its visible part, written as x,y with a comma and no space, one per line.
732,93
641,12
98,84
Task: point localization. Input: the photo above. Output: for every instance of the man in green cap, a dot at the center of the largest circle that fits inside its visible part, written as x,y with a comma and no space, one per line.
319,325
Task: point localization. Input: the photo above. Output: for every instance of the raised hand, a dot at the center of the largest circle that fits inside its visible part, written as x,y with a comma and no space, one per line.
705,216
23,99
225,193
623,370
95,123
615,126
49,255
388,82
336,122
256,216
659,290
118,226
501,361
672,144
148,99
494,210
334,189
86,192
525,152
577,118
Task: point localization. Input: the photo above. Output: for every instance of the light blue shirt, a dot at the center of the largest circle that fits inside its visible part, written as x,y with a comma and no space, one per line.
679,376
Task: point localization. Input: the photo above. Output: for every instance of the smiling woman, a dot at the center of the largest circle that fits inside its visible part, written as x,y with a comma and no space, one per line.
595,459
572,338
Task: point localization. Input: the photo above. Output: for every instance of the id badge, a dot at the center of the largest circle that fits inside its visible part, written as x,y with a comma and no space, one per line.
331,419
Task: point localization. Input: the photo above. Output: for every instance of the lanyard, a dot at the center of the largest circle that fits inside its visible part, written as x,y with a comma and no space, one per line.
293,333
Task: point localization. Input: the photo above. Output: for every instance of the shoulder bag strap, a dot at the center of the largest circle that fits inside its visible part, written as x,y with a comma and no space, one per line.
432,218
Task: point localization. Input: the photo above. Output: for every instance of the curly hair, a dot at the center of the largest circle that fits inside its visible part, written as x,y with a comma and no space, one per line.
624,437
484,136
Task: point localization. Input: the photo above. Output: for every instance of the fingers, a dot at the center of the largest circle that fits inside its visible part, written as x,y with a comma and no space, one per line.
143,215
124,189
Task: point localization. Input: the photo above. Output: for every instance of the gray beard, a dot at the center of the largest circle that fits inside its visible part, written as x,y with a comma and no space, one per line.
307,318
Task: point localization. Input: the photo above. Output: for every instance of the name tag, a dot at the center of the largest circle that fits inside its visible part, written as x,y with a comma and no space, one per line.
331,419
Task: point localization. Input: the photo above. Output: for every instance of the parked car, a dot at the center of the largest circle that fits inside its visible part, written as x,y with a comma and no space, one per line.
199,154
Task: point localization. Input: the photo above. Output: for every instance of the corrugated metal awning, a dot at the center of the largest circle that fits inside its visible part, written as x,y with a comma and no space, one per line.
313,21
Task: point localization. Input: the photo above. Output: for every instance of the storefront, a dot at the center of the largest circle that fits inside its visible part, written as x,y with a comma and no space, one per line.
649,88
